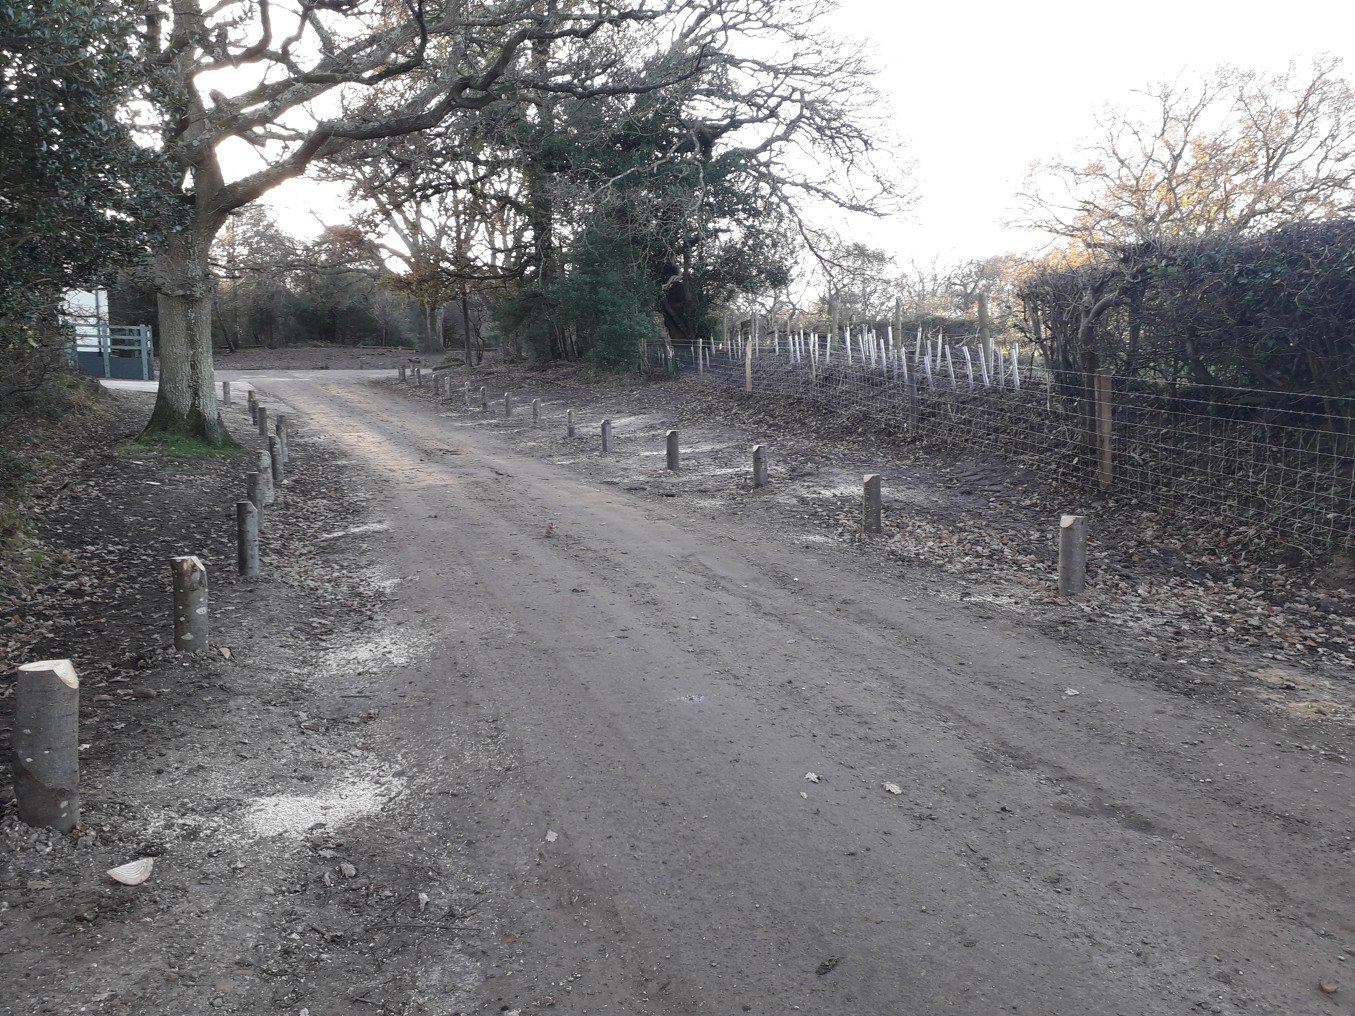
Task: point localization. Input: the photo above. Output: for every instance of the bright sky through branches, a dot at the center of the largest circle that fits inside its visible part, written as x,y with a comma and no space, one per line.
983,90
980,91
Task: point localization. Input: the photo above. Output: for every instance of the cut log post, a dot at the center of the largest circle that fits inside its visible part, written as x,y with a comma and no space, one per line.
1072,555
275,460
247,539
507,404
254,491
225,393
606,435
266,478
759,466
674,452
466,388
418,377
262,421
484,400
280,429
253,400
536,412
569,423
402,374
45,745
870,504
190,604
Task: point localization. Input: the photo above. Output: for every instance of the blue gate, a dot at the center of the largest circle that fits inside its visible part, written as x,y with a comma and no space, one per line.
121,351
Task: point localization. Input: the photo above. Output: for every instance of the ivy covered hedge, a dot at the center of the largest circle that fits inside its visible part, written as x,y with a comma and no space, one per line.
1271,311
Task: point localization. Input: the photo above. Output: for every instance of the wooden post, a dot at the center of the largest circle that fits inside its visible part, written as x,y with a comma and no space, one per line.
254,491
507,404
253,400
275,460
536,412
606,435
402,374
246,539
266,478
748,363
262,421
466,389
1105,425
759,466
45,745
280,429
674,452
225,393
484,400
190,604
870,504
1072,555
569,423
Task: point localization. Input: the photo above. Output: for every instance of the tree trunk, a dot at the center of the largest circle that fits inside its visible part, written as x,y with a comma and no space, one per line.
186,401
430,327
465,324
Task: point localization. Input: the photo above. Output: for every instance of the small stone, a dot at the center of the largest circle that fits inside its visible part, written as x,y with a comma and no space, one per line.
1328,987
347,870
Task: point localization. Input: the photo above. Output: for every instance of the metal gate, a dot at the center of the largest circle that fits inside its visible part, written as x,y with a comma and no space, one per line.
121,351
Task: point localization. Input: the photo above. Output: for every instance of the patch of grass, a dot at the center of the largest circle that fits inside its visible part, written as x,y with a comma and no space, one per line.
177,446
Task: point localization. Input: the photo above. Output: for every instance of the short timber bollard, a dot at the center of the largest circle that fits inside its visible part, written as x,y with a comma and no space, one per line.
1072,555
275,458
759,466
536,412
254,491
484,400
247,539
225,393
253,406
280,429
870,504
507,404
466,389
45,745
606,435
418,377
674,452
266,478
402,374
569,423
262,420
190,604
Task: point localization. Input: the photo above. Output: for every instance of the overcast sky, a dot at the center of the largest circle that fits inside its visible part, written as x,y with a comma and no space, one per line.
981,90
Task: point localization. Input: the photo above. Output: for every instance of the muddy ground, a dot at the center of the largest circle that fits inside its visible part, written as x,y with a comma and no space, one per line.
510,726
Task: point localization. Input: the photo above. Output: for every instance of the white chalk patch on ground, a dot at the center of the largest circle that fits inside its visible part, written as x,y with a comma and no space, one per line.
381,650
352,796
370,527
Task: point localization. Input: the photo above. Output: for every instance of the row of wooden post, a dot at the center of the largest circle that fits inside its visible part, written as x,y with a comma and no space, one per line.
1072,568
45,746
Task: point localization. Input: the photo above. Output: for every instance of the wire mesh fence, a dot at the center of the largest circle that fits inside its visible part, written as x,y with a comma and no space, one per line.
1264,467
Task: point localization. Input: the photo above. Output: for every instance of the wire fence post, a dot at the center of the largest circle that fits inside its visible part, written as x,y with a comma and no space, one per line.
1105,426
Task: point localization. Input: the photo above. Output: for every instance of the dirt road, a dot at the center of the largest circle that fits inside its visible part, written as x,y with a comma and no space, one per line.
609,712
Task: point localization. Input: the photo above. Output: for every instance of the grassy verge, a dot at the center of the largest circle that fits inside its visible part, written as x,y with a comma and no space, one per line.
178,446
